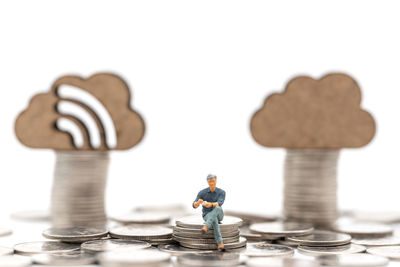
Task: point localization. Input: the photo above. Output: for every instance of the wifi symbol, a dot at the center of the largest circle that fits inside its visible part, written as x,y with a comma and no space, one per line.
81,114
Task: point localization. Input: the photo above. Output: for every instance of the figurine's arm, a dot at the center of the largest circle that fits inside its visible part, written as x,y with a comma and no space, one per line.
221,199
198,201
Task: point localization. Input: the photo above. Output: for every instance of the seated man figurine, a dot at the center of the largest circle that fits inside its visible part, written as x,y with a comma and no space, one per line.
212,199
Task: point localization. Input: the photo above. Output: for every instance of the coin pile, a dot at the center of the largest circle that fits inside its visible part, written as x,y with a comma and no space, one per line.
78,189
209,259
153,234
188,233
310,186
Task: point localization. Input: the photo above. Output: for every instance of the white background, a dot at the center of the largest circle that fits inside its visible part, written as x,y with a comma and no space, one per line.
198,70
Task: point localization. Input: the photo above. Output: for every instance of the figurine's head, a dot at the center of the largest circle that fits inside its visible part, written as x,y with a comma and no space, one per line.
212,181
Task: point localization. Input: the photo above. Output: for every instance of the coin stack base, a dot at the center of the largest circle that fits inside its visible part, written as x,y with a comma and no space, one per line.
78,190
310,192
188,232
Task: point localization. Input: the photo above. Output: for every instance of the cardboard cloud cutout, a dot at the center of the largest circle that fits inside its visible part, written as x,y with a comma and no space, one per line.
314,114
36,126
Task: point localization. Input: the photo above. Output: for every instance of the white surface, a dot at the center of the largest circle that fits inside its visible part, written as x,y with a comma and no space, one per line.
198,70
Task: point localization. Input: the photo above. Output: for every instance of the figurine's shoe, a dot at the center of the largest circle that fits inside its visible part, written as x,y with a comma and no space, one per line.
204,229
221,246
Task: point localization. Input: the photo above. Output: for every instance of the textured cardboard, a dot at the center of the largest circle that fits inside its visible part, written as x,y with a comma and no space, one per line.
314,114
36,126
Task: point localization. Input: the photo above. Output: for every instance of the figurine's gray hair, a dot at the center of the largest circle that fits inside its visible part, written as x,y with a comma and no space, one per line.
211,176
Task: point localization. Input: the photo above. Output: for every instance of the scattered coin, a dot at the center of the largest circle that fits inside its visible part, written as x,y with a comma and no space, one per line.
47,247
141,257
246,233
277,262
391,252
374,242
143,218
364,230
320,238
6,251
276,230
5,231
64,259
113,244
15,261
268,250
209,259
350,260
337,250
197,222
141,232
176,250
248,217
75,234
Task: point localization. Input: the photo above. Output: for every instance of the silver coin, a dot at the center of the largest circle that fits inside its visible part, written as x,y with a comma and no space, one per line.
281,229
6,251
245,232
75,234
141,257
310,193
350,260
209,259
195,233
242,242
165,241
197,222
141,232
361,230
176,250
205,240
374,242
268,250
113,244
322,238
338,250
390,252
15,261
64,259
46,247
78,189
143,218
286,242
278,262
252,217
5,231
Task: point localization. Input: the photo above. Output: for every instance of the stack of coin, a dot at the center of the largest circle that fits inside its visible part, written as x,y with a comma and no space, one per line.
310,193
209,259
189,234
78,189
153,234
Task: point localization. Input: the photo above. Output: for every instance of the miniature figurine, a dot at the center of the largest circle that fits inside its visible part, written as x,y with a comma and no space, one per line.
212,199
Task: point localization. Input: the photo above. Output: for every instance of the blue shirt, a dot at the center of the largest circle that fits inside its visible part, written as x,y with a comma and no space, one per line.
217,196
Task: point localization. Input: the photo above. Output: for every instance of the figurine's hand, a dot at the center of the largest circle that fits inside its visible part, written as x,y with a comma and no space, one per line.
207,204
197,204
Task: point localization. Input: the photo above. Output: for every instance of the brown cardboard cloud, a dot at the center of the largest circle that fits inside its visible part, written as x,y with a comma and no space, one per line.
36,126
311,113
